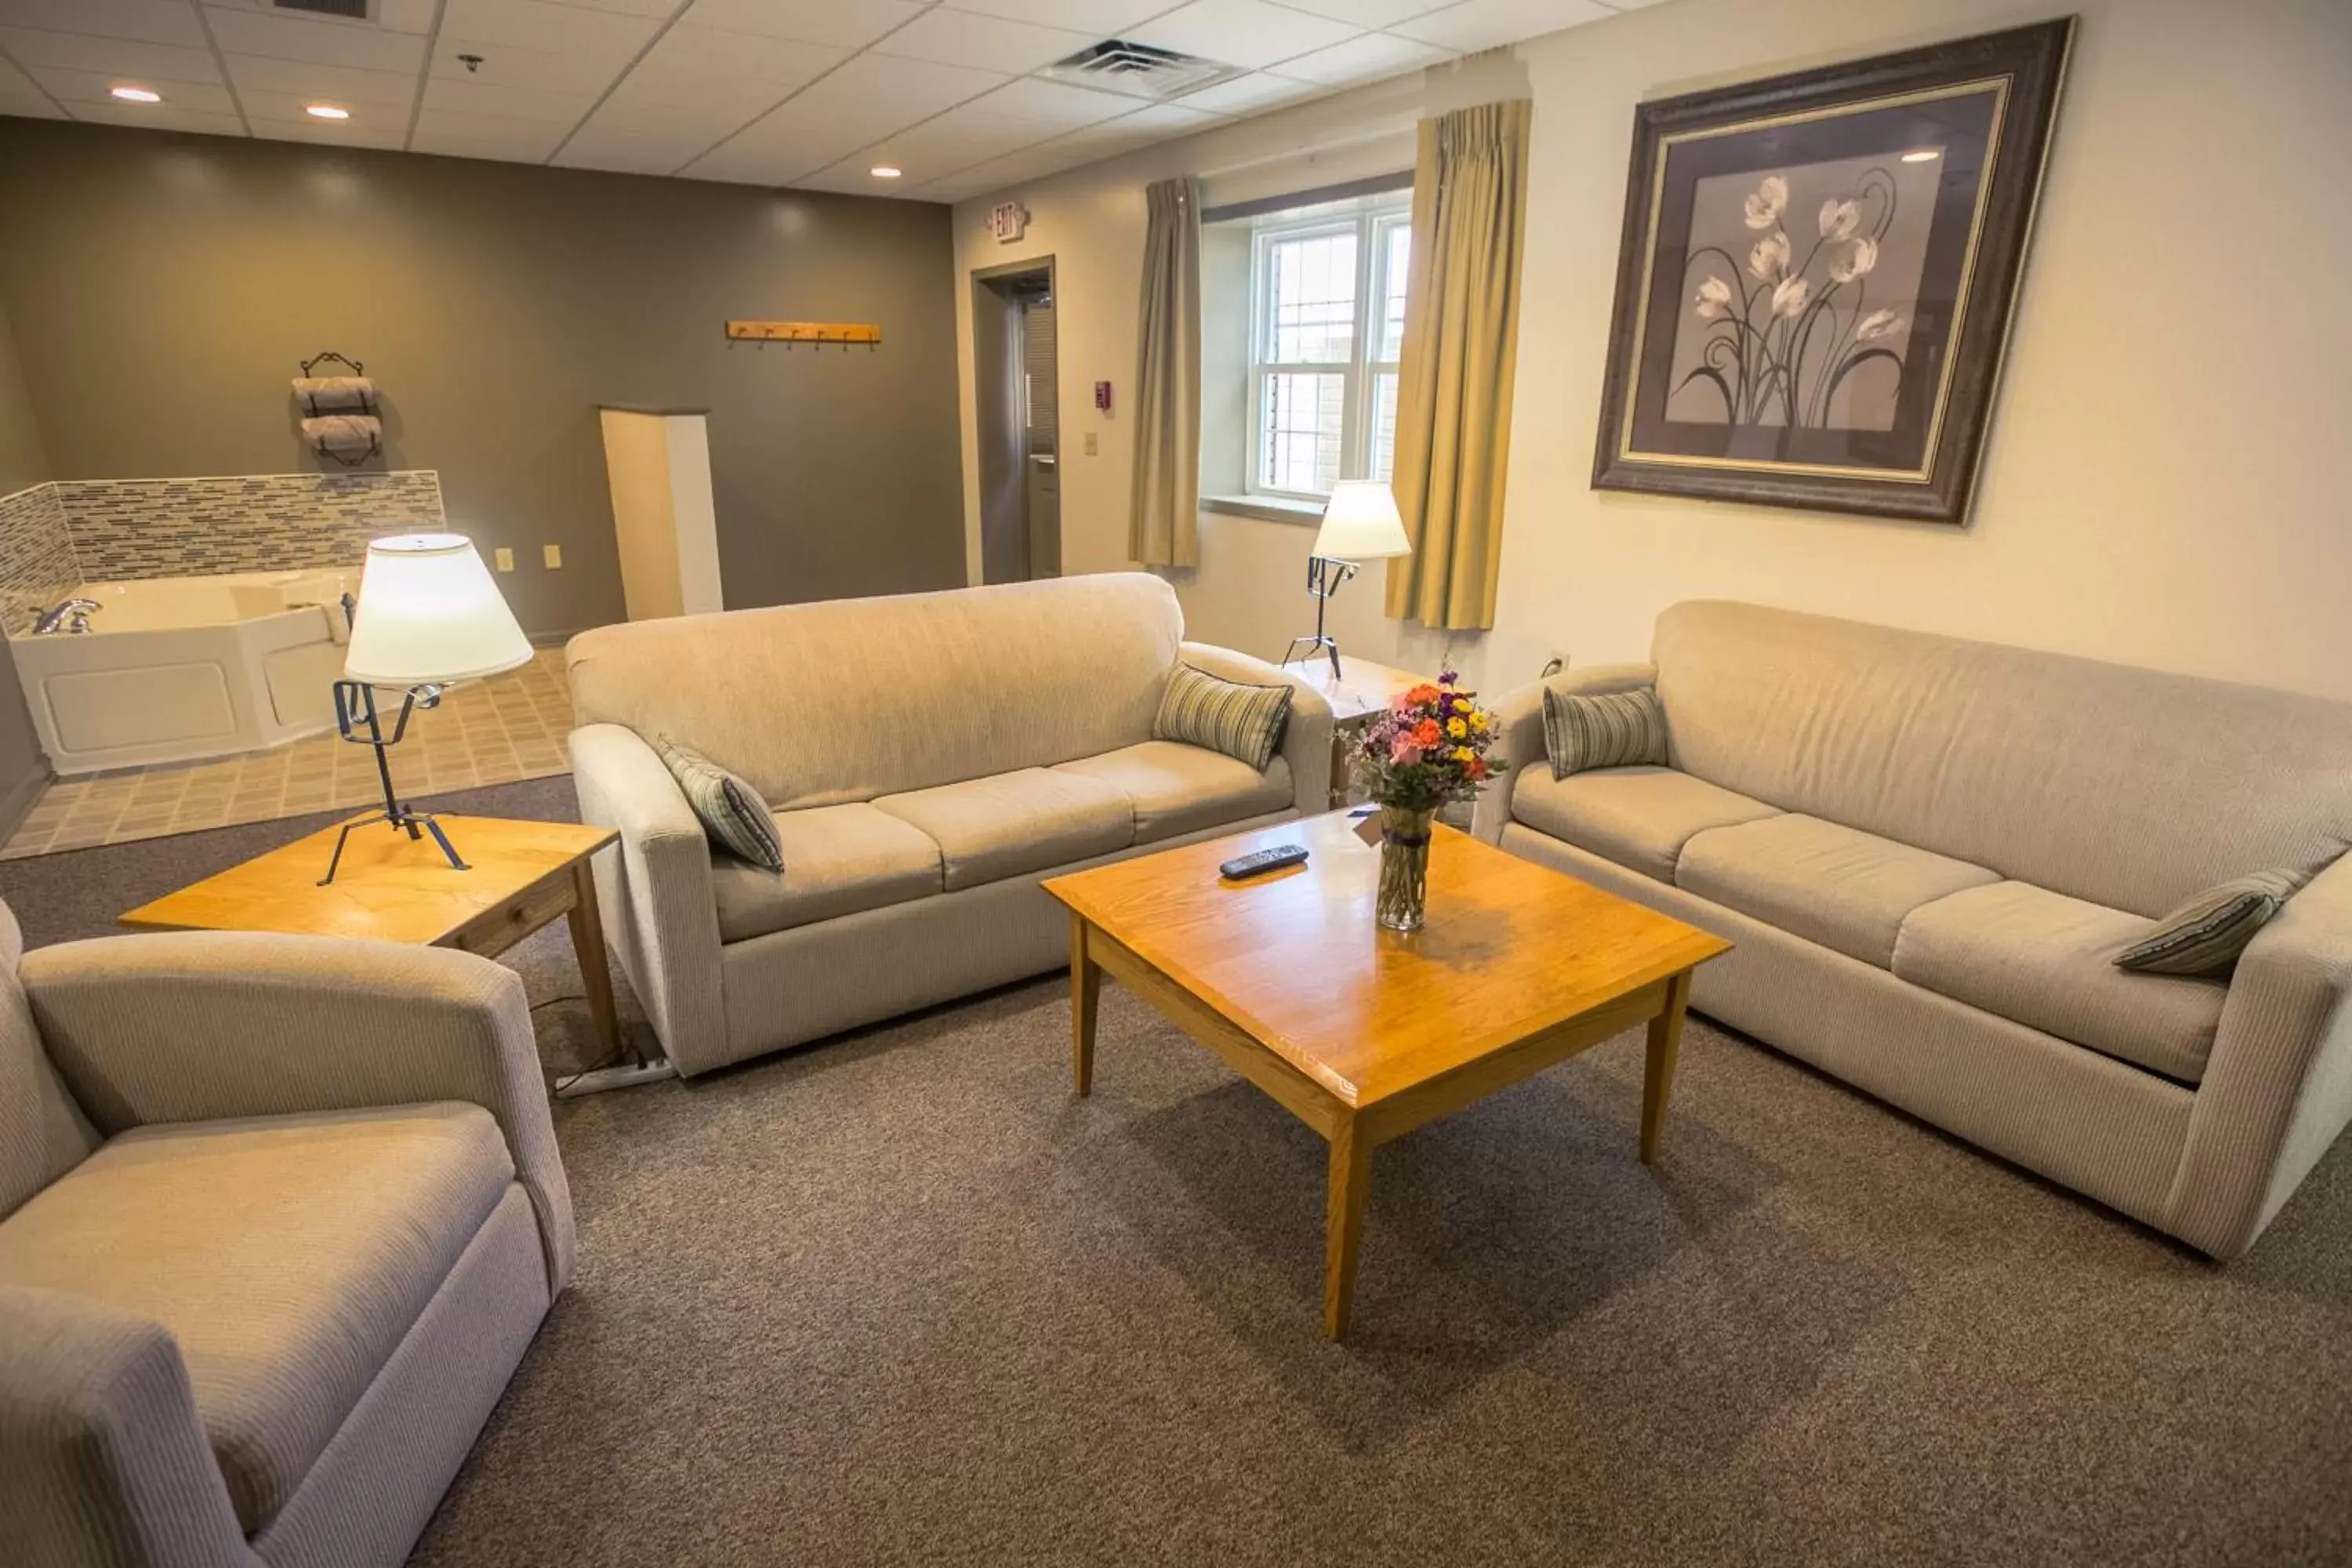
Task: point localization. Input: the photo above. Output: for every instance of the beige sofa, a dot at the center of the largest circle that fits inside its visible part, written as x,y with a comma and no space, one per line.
1927,851
930,758
279,1217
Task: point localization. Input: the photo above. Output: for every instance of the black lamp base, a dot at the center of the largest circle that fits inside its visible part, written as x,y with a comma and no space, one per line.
1323,575
354,707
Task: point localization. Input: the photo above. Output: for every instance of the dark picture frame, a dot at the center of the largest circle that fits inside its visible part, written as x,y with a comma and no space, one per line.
1816,276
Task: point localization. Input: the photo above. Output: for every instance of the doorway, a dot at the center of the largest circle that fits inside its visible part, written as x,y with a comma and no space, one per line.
1015,364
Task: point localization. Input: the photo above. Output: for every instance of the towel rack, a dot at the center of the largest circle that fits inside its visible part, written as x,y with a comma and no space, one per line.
368,411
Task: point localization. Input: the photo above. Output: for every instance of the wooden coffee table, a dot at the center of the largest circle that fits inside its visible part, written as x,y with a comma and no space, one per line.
1363,1034
521,875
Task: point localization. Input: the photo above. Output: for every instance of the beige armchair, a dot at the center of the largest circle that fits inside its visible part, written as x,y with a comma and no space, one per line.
279,1217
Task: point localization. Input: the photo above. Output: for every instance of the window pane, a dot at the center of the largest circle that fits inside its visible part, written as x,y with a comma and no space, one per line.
1384,406
1301,428
1314,299
1393,277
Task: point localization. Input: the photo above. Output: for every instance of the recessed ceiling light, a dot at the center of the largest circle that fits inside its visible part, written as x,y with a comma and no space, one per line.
1924,155
885,171
138,95
325,112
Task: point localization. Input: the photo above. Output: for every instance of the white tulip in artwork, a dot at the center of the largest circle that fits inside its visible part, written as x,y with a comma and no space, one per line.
1714,299
1876,325
1861,255
1767,202
1789,296
1840,219
1769,259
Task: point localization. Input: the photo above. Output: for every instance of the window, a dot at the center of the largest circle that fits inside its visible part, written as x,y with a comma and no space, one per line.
1327,311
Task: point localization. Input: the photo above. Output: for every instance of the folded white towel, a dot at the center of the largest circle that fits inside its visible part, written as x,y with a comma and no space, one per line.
342,434
331,394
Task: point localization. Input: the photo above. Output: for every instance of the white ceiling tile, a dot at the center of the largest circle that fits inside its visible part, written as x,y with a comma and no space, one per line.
332,84
688,58
107,57
149,21
466,95
991,43
1161,120
844,24
486,136
259,104
1489,23
389,135
1101,18
504,65
326,43
690,127
722,103
863,103
547,28
160,117
616,158
18,95
1241,32
76,88
391,16
658,9
1252,94
1367,12
1368,58
1054,105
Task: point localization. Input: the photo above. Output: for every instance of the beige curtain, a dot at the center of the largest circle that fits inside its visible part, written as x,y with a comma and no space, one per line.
1461,346
1164,520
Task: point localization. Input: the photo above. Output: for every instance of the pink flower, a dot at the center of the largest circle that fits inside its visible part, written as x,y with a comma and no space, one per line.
1403,752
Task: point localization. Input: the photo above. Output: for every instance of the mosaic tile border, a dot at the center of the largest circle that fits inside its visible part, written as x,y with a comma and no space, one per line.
123,529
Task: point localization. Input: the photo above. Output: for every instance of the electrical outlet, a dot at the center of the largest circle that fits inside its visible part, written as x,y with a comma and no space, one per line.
1094,444
504,557
551,554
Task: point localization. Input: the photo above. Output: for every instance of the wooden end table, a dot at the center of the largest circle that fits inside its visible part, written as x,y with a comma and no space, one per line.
1364,1034
392,887
1361,692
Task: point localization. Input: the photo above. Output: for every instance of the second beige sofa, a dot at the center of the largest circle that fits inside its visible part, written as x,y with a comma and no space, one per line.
930,759
1928,851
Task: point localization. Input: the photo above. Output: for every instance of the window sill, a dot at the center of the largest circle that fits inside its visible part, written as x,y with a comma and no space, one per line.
1266,509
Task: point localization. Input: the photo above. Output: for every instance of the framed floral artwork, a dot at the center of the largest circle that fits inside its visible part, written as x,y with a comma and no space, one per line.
1817,276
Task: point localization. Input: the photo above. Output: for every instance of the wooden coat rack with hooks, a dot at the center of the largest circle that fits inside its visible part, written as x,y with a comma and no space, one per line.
816,335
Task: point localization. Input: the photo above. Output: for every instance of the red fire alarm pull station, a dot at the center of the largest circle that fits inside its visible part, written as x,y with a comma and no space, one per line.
1102,395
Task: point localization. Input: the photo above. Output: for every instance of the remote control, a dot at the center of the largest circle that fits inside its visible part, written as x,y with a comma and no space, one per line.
1263,861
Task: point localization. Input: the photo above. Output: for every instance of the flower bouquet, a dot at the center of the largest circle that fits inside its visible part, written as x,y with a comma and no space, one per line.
1428,749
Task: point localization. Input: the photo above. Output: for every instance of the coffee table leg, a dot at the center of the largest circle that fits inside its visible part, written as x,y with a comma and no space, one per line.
1085,987
588,945
1343,1224
1658,1076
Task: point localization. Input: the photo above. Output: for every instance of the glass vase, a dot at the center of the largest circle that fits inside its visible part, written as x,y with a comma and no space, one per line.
1404,865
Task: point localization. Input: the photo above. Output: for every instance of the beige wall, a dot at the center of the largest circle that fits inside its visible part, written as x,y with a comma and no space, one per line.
163,288
22,463
2167,478
22,460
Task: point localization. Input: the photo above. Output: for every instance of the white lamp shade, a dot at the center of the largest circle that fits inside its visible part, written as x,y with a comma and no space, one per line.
429,614
1360,523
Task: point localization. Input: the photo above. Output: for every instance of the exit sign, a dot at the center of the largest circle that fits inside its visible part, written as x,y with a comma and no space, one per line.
1009,222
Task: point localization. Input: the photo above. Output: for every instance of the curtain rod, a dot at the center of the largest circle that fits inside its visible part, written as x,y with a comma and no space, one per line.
1369,186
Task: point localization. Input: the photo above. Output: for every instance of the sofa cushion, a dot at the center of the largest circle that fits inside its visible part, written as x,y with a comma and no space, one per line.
732,813
990,828
1639,816
2205,935
838,859
1846,889
2046,961
288,1255
43,1134
1240,718
1583,731
1173,788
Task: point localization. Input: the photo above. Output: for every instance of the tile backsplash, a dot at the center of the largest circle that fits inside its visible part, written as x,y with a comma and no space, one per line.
256,523
37,558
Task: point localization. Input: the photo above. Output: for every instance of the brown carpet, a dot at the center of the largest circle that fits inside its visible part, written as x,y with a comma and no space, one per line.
897,1299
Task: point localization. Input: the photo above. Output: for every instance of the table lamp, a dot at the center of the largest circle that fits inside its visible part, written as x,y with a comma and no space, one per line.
428,617
1360,522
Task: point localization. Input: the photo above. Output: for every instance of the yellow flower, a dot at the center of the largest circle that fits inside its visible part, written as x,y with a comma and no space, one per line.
1457,728
1478,720
1463,754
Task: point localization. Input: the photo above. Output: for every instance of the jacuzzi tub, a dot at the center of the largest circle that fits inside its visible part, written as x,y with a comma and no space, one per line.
177,669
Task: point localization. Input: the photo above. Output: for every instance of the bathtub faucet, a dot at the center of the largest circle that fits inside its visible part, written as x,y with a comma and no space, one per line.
72,616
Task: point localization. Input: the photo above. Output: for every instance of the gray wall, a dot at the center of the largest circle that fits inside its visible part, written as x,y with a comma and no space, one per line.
164,285
23,774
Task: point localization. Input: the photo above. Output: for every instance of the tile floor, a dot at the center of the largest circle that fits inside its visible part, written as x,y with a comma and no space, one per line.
510,727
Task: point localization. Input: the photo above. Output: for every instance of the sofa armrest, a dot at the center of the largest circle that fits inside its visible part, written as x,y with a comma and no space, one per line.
2278,1085
104,1463
661,913
202,1025
1519,733
1306,737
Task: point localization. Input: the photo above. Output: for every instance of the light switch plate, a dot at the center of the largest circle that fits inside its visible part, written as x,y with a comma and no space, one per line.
1094,444
504,557
553,554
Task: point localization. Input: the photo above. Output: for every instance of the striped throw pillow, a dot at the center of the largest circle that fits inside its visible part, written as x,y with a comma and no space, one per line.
1242,721
733,815
1616,730
2205,935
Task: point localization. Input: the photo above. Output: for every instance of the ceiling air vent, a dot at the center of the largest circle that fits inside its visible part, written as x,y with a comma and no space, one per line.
351,10
1138,70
